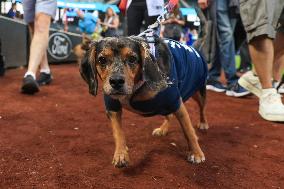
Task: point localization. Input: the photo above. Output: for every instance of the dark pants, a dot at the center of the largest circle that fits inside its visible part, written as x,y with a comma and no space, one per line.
136,13
226,45
245,56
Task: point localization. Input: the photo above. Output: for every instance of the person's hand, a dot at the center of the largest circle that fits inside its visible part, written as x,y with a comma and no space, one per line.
203,4
176,20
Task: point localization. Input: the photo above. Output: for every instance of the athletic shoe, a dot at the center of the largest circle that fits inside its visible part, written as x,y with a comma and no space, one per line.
251,83
216,86
236,91
278,86
270,105
281,89
44,79
29,86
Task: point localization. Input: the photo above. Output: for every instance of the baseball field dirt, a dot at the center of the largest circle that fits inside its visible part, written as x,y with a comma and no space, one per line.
60,138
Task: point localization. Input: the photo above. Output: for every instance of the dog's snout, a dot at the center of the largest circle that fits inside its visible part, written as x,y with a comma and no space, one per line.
117,81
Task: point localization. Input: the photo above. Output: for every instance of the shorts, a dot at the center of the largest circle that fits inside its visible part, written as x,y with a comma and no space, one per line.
262,17
33,7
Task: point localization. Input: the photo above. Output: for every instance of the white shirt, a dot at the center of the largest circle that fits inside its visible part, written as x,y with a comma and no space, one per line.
155,7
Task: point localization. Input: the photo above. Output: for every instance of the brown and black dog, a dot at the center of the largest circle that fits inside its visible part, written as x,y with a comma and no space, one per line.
134,79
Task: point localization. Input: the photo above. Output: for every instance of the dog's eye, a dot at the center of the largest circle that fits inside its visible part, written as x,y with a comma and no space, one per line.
132,59
102,61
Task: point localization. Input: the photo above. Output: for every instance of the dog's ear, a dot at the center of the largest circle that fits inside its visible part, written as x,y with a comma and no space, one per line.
89,72
163,56
151,70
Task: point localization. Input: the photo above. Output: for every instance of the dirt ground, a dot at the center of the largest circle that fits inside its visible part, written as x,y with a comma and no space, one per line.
60,138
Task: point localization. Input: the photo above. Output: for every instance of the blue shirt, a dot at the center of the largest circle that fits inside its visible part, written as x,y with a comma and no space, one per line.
88,23
188,74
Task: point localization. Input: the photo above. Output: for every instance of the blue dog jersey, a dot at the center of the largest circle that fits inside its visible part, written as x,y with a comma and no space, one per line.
188,73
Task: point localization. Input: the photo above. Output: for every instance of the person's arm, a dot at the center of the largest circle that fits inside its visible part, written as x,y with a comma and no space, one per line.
99,23
179,21
115,23
168,21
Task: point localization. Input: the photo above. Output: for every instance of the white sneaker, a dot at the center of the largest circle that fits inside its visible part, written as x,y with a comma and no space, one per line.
251,83
280,88
270,105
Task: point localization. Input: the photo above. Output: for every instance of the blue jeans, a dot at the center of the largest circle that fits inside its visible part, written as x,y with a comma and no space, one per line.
226,45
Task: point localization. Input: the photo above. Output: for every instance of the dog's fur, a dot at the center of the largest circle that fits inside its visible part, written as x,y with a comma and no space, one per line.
144,77
80,49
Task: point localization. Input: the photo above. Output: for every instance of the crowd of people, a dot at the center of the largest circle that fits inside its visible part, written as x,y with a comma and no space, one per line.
264,46
263,22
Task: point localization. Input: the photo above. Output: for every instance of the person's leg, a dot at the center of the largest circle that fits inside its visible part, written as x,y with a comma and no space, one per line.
48,8
214,71
29,86
259,22
226,41
40,13
245,58
135,16
39,42
278,66
149,19
213,83
44,67
262,51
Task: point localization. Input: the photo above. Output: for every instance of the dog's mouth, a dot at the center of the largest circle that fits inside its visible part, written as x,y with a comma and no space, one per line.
117,93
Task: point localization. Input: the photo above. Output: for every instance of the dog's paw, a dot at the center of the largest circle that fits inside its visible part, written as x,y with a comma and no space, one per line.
196,157
120,159
159,132
203,126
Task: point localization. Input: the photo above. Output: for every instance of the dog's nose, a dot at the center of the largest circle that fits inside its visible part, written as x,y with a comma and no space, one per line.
117,81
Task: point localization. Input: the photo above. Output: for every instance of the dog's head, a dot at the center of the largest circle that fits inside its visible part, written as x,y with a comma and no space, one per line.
124,64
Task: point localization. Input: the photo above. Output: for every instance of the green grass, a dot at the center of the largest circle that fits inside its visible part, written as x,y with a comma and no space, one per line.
238,61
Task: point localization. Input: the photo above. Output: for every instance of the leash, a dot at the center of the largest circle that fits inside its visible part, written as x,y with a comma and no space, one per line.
154,29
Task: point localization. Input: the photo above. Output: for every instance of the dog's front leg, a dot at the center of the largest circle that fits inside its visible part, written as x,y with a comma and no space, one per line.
196,155
120,158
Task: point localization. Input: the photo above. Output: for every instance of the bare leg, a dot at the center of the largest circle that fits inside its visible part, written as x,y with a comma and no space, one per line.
196,155
261,51
39,41
278,56
44,63
120,158
200,98
31,30
163,129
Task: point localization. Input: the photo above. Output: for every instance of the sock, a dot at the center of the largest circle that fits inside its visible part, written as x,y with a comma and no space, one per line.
268,91
30,73
46,70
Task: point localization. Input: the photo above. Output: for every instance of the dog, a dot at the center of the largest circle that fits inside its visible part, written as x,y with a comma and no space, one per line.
80,49
148,84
